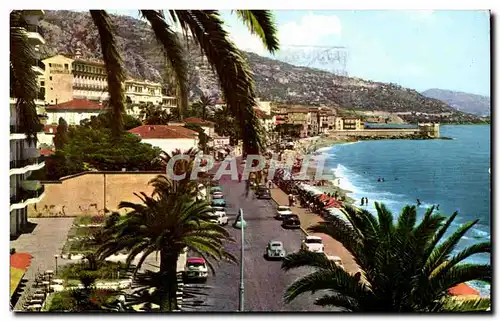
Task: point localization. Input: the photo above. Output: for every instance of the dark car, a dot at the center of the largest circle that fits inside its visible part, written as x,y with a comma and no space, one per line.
291,221
263,193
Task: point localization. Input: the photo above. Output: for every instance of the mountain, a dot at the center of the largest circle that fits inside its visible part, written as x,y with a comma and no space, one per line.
67,31
468,103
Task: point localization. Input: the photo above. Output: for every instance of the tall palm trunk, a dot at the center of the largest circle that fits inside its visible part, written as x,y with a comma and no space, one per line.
168,287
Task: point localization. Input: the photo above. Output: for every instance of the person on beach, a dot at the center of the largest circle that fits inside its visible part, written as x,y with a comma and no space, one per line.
362,201
290,200
366,201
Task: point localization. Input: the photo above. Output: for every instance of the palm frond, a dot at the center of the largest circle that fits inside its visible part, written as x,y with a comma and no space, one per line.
23,81
174,53
232,70
262,24
338,300
114,68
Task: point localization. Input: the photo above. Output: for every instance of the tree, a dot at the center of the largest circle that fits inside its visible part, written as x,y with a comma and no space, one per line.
167,223
225,125
202,137
155,115
207,31
203,103
104,120
404,267
90,148
61,136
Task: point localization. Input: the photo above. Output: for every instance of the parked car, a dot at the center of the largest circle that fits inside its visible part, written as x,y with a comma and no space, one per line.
335,259
239,223
263,193
219,202
196,269
219,217
217,195
283,211
215,189
275,250
291,221
313,244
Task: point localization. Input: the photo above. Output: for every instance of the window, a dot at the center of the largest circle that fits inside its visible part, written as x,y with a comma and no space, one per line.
50,77
66,66
51,88
50,65
42,83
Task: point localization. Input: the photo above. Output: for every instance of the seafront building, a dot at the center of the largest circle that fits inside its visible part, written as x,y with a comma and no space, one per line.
67,78
24,155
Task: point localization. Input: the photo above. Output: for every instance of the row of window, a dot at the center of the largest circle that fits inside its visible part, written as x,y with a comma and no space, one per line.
99,78
89,69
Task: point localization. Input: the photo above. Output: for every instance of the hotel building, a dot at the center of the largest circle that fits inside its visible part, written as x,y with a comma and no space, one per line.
66,79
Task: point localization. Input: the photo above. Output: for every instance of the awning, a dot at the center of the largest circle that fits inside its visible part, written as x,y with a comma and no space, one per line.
16,275
462,289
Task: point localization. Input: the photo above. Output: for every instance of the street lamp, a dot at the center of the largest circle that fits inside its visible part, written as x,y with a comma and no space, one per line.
55,257
242,282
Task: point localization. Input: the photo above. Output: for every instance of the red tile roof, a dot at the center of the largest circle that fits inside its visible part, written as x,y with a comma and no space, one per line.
47,129
163,132
76,104
462,289
220,101
196,120
46,151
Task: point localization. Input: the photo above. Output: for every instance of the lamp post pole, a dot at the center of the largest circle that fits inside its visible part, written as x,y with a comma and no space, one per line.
55,257
242,282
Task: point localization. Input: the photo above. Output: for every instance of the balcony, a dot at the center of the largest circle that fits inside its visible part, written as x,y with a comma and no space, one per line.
90,87
21,166
39,67
35,34
23,197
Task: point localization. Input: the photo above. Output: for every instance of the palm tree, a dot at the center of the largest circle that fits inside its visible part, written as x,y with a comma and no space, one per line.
167,226
404,267
23,82
207,30
203,103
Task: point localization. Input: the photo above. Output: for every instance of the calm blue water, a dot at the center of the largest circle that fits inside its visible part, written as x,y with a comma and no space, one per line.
451,173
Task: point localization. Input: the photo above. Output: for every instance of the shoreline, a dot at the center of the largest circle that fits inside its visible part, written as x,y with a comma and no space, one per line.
332,186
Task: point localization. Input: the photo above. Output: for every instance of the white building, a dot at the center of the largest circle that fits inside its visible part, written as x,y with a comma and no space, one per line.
207,126
24,156
168,138
73,111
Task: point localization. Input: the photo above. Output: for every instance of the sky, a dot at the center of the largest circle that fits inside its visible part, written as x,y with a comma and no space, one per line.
416,49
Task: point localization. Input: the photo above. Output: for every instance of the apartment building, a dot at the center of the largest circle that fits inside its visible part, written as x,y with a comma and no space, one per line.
67,78
351,123
24,155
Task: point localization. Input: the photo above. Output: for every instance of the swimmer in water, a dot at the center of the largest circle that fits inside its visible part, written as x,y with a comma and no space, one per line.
418,202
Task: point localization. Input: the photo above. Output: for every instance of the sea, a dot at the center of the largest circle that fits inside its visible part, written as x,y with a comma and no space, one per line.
452,173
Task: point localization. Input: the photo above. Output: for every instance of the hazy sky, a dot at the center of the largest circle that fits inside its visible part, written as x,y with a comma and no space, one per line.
416,49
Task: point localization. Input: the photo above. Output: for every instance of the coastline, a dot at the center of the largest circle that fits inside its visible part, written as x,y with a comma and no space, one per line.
332,186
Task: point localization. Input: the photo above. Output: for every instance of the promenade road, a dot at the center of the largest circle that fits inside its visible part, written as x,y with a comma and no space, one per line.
265,282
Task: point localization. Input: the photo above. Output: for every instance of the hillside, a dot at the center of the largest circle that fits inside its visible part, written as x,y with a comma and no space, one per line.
465,102
67,31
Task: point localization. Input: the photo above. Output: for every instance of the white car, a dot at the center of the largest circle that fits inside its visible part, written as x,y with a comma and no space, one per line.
335,259
217,195
313,244
283,211
196,268
219,217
